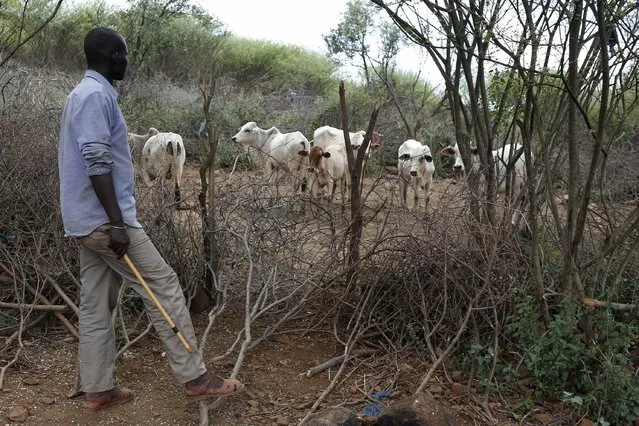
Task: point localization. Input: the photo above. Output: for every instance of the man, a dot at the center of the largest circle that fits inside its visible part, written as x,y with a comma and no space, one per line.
98,208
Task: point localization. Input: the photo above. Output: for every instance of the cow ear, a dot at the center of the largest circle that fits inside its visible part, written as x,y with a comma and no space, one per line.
375,147
153,131
449,151
404,157
474,151
303,153
428,158
326,155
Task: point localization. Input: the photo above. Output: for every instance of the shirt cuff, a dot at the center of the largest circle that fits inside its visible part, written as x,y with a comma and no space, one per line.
99,169
98,161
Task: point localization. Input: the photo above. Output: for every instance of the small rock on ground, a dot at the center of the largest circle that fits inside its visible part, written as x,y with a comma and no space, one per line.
420,409
18,414
31,381
458,389
334,416
46,400
282,421
543,418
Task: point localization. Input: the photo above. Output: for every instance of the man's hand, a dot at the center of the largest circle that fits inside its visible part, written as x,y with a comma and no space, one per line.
118,241
105,191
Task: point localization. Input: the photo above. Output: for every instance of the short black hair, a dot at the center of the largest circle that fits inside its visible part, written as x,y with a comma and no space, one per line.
100,44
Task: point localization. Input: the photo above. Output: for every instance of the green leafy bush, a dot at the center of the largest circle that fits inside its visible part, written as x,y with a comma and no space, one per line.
598,379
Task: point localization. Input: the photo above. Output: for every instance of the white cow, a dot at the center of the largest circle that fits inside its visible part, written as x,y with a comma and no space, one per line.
136,142
501,158
330,167
415,168
276,152
163,157
326,136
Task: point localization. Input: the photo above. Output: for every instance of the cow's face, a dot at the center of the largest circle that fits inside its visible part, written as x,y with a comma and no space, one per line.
315,159
247,135
376,141
453,151
373,146
416,163
316,164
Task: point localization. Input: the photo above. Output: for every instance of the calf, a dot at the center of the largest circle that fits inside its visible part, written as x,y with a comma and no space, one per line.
415,168
330,166
163,157
276,152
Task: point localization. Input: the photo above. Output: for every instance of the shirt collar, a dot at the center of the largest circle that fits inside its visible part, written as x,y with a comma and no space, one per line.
103,81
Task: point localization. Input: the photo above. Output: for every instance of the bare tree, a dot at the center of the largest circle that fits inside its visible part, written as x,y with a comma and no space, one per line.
526,40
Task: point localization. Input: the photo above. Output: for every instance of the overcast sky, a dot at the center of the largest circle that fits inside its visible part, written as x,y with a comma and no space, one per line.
299,22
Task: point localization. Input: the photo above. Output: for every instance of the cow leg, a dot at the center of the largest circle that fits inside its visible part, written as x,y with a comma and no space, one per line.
402,191
147,179
342,185
297,183
177,198
271,182
519,207
426,196
415,186
333,187
348,188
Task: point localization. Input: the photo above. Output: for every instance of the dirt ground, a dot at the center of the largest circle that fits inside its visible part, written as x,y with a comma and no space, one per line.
277,387
278,391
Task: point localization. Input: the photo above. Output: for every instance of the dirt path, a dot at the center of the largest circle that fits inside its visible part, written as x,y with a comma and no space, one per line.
277,387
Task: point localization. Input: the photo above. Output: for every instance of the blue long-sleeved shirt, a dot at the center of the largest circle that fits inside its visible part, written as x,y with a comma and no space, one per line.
93,141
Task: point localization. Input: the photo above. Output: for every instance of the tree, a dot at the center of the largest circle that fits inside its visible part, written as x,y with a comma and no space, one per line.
21,21
144,24
350,38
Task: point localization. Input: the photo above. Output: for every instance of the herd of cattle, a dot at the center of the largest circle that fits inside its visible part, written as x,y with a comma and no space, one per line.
322,161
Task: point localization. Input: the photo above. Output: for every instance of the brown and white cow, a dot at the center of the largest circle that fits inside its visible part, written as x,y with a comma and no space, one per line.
330,167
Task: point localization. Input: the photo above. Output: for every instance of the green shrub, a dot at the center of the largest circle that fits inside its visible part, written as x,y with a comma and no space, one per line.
598,379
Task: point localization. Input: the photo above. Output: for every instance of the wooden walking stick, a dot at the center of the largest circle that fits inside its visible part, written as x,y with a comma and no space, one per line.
166,316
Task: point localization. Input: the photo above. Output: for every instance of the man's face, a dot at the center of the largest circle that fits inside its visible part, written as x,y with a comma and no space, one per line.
120,61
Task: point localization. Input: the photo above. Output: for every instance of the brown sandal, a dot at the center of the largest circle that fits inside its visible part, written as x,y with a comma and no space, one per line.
117,396
213,386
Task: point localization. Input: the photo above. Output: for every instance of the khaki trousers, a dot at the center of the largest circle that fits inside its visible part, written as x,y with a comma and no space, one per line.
100,275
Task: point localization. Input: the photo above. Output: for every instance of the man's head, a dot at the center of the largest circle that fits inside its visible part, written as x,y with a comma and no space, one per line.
106,52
